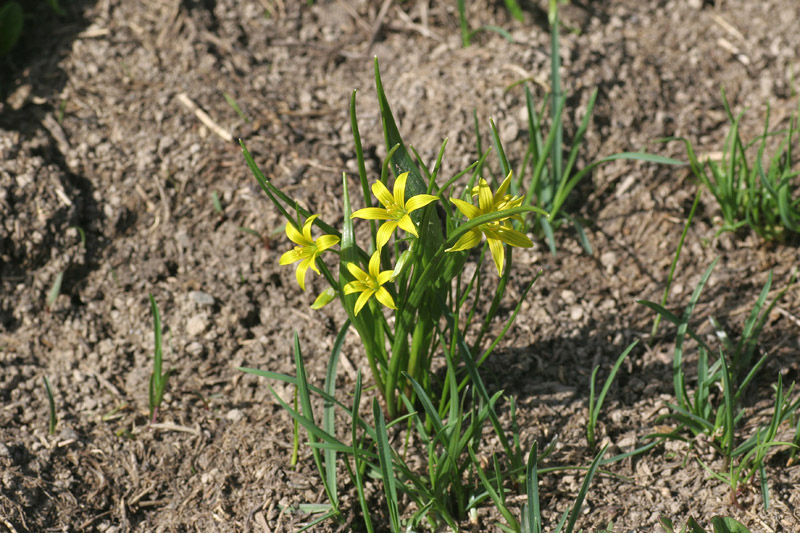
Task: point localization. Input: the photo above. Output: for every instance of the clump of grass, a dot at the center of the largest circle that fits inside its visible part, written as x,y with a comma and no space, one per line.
454,481
467,33
412,302
416,274
549,165
713,409
752,190
718,523
595,406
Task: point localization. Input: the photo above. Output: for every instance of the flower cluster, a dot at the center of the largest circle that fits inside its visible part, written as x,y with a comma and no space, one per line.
497,232
396,213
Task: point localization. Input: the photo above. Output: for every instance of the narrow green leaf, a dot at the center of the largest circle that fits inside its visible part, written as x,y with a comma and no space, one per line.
53,418
55,289
576,507
387,473
533,517
328,414
727,525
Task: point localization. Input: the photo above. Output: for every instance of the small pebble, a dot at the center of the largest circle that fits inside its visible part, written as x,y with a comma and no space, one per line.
202,298
197,325
234,415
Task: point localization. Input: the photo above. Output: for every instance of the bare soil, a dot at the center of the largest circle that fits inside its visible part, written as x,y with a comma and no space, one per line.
96,134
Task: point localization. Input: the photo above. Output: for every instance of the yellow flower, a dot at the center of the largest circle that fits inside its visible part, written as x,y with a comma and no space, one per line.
370,283
307,249
395,209
497,232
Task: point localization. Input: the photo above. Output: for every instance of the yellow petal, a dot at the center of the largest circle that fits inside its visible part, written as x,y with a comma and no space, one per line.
326,241
307,228
372,213
300,273
294,235
420,200
362,300
382,194
498,254
408,225
466,208
310,261
357,273
293,255
384,233
485,198
501,192
512,237
375,265
468,240
399,189
355,286
384,276
385,298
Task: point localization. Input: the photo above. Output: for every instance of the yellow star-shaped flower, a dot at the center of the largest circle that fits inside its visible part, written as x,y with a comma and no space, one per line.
497,232
395,209
369,283
307,249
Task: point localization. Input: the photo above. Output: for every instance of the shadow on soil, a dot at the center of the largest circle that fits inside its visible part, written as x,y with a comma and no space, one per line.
31,81
564,364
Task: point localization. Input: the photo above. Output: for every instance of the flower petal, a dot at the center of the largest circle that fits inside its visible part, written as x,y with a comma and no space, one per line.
307,228
382,194
512,237
469,240
498,254
485,197
420,200
310,261
399,189
384,276
295,254
466,208
408,225
501,192
295,236
385,298
355,286
357,273
384,232
374,265
326,241
372,213
300,273
362,300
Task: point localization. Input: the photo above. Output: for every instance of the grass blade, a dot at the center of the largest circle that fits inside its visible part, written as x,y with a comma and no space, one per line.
328,415
385,460
53,419
576,507
533,516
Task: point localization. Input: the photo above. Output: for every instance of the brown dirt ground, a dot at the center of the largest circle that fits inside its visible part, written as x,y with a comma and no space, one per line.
94,134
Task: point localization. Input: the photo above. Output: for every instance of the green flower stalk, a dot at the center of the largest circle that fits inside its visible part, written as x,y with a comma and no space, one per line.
395,209
496,232
307,249
370,283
